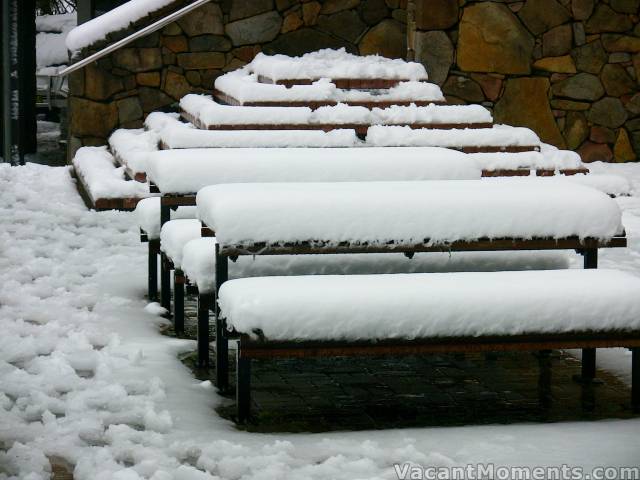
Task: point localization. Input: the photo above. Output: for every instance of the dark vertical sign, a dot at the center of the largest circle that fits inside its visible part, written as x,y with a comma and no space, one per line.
18,80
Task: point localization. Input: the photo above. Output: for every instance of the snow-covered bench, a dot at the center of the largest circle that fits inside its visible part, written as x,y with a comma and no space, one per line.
412,314
174,235
401,217
147,213
177,175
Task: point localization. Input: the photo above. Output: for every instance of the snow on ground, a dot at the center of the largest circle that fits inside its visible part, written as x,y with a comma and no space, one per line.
85,375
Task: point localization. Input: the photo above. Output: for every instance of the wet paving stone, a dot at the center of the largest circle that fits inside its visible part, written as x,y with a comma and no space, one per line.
319,395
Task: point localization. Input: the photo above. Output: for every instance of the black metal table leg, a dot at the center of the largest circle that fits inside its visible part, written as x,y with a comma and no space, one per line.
178,301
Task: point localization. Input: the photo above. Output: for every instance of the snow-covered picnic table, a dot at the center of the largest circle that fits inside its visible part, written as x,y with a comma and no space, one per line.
399,217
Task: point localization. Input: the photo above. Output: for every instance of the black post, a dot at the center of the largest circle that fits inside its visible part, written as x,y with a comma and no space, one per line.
635,379
243,385
544,379
178,301
222,346
205,301
589,354
154,249
26,134
165,283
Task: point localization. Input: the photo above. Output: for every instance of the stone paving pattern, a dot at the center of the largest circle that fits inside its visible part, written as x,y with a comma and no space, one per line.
319,395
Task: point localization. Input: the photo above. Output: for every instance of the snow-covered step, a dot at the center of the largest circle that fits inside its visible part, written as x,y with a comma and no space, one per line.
182,172
344,69
500,138
241,87
130,149
206,113
397,214
102,183
546,162
174,134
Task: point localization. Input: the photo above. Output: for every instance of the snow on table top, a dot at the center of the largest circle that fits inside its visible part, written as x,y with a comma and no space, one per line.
132,146
120,17
204,108
334,64
198,263
177,135
499,135
187,171
405,213
370,307
244,87
103,178
148,215
175,234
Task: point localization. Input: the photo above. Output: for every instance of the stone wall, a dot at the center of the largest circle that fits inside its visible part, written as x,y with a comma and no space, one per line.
569,69
186,56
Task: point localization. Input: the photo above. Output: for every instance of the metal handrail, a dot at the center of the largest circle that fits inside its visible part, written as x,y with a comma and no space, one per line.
134,36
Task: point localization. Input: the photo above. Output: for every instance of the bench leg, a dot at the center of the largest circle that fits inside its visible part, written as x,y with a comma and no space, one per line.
222,356
635,379
588,364
178,302
544,379
204,304
165,283
243,386
153,270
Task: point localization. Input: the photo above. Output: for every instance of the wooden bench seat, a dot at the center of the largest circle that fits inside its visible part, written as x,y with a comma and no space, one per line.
306,316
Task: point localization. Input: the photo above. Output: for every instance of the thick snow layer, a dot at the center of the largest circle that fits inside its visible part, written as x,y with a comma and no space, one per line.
148,215
335,64
498,136
528,160
198,263
175,234
51,50
177,135
56,23
86,375
120,17
104,180
131,146
187,171
404,91
209,112
432,114
405,212
244,87
358,307
212,113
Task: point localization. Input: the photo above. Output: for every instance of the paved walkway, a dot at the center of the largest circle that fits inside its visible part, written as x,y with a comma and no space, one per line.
317,395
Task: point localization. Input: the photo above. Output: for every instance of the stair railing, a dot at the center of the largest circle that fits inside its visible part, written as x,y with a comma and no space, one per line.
134,36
